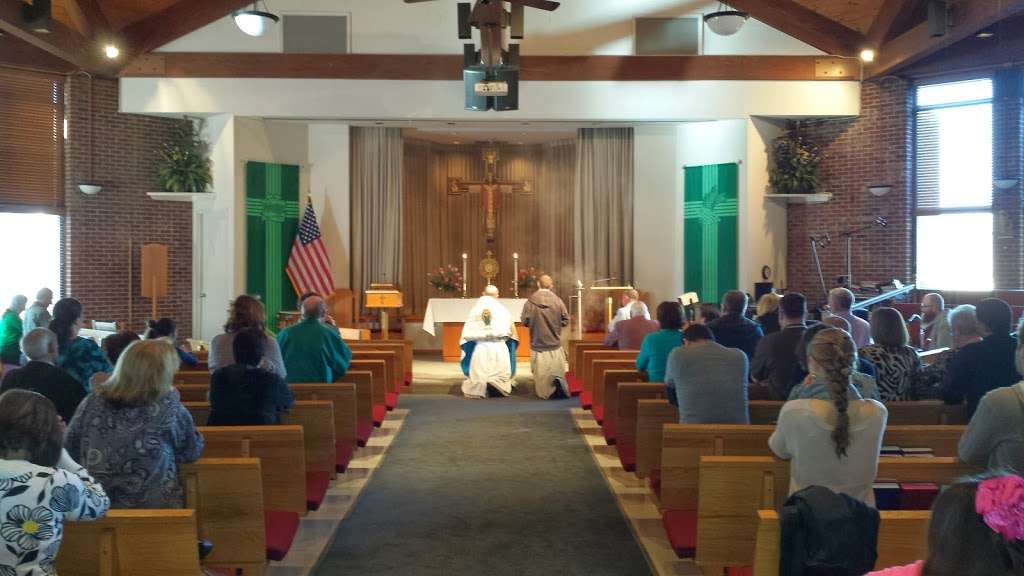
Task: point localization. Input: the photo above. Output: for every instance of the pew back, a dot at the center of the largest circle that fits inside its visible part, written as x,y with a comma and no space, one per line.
402,347
342,396
651,416
393,372
131,542
610,385
575,355
227,496
379,370
603,366
192,377
909,413
586,366
629,395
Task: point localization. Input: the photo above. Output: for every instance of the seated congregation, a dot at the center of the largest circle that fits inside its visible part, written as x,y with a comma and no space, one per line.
152,441
737,423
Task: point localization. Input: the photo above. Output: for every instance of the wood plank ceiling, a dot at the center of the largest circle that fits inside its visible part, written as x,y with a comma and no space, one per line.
894,28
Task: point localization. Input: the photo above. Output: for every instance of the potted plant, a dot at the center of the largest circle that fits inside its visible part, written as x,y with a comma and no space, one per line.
185,165
794,163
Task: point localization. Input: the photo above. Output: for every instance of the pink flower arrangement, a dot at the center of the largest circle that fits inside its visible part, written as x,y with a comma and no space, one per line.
527,278
1000,502
446,279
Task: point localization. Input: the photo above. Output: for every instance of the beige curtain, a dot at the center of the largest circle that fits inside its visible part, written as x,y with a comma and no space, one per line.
440,226
377,157
604,204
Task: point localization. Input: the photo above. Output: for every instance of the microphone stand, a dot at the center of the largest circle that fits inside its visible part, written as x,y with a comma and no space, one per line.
881,222
823,240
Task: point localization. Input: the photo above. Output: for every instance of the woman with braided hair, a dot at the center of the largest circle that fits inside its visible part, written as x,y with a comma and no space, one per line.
832,438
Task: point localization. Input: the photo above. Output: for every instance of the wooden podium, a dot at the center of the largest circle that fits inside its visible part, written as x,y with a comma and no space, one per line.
383,297
154,274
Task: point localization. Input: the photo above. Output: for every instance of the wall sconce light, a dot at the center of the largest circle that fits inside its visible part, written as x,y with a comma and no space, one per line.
879,189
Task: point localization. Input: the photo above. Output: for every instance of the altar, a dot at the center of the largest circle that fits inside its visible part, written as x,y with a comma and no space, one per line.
451,314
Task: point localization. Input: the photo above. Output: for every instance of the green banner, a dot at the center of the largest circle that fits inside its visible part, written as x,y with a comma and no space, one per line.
271,222
710,230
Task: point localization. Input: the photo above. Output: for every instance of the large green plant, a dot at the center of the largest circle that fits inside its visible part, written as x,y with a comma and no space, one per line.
794,165
185,165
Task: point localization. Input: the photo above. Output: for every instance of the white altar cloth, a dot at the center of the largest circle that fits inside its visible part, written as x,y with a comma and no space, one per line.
456,310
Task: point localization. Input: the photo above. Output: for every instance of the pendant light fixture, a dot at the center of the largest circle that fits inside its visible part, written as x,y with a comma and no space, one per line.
255,22
725,22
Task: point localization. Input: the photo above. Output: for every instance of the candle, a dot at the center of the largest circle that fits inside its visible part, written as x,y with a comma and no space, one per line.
465,275
515,273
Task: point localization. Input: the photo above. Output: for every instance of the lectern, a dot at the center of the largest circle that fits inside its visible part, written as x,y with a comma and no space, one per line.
154,273
383,297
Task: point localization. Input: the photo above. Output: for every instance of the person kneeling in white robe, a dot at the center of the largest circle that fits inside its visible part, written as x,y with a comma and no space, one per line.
488,347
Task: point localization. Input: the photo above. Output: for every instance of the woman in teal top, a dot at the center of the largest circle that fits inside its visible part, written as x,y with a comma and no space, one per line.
80,357
658,345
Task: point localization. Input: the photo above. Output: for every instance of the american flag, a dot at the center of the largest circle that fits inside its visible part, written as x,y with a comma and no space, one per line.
309,266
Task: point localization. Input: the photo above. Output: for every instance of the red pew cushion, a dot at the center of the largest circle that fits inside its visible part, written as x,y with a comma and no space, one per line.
363,433
575,386
280,527
608,429
316,488
408,378
379,411
654,481
586,400
344,451
917,495
627,456
739,571
391,400
681,527
598,413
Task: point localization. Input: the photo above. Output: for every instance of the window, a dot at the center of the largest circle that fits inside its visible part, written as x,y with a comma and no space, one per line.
31,140
953,176
31,255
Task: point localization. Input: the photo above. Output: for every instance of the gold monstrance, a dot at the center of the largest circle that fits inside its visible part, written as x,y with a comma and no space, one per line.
489,267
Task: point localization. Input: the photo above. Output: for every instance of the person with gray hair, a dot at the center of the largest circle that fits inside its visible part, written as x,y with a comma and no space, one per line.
313,351
840,302
733,329
963,324
629,334
628,299
38,314
11,331
935,330
41,374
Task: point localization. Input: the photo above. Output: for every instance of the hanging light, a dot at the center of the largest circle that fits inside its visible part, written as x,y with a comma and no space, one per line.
255,22
725,22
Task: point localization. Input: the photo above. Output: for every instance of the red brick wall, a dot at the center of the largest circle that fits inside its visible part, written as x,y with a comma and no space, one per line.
872,148
97,229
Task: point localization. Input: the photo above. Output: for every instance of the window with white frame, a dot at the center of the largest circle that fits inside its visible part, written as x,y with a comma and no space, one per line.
31,255
953,185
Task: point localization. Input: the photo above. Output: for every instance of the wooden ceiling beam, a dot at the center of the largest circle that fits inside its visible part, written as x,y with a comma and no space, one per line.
449,67
87,17
804,24
968,18
176,21
61,41
891,12
15,53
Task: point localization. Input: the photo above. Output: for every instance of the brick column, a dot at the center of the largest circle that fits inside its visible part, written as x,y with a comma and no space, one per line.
1008,162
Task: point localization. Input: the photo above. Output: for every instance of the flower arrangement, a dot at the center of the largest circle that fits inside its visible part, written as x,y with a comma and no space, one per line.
794,163
527,278
447,279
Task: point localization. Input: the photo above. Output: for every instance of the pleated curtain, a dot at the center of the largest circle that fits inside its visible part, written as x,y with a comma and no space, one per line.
603,221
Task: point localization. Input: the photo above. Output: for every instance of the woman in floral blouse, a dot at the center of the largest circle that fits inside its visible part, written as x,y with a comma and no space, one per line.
41,486
80,357
132,431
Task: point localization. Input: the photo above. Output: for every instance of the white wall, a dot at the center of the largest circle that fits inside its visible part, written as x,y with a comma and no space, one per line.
330,178
577,27
765,217
657,212
218,247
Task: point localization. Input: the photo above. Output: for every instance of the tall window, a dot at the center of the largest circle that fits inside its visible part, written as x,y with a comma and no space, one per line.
953,175
31,255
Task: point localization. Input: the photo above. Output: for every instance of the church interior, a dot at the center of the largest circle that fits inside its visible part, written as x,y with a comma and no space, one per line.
629,287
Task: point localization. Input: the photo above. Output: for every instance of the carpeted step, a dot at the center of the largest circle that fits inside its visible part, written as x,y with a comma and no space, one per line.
681,527
280,527
316,489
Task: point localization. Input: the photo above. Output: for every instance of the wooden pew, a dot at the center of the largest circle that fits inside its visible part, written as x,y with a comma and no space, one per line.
282,460
227,496
395,373
317,420
597,371
651,416
575,356
733,489
343,397
910,413
192,377
403,347
629,395
379,370
585,369
363,381
131,542
902,539
193,392
610,392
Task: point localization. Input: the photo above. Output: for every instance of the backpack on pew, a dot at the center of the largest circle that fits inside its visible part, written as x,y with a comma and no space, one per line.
827,534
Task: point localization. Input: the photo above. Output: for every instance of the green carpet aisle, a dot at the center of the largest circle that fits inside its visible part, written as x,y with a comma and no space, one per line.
485,487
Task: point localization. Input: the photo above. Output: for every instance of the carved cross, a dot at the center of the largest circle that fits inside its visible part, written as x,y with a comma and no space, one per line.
490,189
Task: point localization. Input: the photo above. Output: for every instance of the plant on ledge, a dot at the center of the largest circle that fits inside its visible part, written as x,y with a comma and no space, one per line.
185,165
794,163
446,279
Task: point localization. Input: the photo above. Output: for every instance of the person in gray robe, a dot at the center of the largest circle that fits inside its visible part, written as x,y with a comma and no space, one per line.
546,315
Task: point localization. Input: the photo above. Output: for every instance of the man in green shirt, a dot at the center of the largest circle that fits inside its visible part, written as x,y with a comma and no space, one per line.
313,351
10,331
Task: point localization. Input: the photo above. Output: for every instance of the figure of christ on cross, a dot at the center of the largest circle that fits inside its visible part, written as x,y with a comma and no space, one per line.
490,190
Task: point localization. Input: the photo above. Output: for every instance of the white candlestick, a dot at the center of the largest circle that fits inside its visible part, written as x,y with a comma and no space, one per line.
515,273
465,275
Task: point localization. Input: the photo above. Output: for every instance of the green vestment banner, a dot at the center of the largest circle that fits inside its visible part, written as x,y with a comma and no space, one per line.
710,231
271,222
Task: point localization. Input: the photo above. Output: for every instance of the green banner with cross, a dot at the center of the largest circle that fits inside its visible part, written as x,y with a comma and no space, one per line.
271,222
710,230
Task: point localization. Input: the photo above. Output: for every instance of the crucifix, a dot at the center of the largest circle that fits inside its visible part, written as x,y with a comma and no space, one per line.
490,189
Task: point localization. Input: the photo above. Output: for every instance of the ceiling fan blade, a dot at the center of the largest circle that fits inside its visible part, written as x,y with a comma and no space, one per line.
548,5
